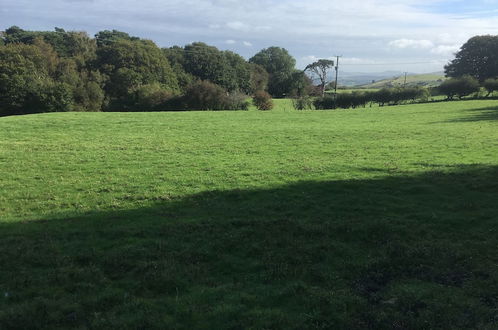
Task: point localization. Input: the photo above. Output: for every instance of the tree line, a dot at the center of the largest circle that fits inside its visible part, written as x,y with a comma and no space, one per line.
453,88
47,71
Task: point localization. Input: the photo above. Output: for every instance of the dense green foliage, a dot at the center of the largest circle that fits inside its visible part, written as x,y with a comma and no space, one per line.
281,67
130,66
381,218
491,85
385,96
459,87
65,43
107,38
48,71
477,58
224,68
205,95
27,80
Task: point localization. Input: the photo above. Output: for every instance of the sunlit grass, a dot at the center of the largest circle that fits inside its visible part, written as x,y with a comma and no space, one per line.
368,218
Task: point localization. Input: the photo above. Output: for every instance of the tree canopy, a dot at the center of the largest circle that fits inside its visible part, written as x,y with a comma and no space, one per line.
63,70
280,65
227,69
130,64
478,57
115,71
27,81
320,70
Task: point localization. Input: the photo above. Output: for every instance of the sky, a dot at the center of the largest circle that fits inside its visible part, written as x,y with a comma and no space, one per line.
418,36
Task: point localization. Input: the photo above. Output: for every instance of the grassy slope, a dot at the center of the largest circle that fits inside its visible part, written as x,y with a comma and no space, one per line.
373,218
428,80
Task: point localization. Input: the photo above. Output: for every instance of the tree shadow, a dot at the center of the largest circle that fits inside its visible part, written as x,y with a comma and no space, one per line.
478,114
398,252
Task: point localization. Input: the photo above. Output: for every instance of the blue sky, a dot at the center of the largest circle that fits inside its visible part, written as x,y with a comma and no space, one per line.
372,35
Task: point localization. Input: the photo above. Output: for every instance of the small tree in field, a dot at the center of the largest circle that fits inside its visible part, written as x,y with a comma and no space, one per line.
320,69
262,100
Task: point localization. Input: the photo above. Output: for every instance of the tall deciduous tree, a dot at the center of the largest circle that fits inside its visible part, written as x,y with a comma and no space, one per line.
478,58
280,65
26,81
227,69
320,70
130,64
176,58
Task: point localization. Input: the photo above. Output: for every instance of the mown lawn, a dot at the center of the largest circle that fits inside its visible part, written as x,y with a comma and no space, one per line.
381,218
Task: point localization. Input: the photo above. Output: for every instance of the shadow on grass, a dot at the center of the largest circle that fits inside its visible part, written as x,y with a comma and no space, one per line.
479,114
399,252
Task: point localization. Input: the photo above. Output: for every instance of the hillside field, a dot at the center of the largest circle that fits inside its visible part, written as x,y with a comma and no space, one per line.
377,218
425,80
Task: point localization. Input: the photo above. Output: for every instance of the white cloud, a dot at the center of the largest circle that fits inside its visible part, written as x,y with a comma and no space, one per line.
446,50
357,61
309,58
411,43
239,26
247,43
230,41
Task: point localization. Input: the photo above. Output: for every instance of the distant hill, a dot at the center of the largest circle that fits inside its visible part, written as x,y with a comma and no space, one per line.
425,80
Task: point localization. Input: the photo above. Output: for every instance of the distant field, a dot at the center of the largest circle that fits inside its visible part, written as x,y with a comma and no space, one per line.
381,218
425,80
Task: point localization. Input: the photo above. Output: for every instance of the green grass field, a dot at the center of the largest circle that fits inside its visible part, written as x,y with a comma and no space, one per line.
382,218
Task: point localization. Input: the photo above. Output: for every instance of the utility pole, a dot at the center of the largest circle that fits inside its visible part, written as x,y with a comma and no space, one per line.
336,74
404,84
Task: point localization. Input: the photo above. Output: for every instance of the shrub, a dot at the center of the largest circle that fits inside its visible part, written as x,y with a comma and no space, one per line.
262,100
352,100
151,97
326,102
237,101
204,95
303,103
383,96
342,100
491,85
402,95
460,87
